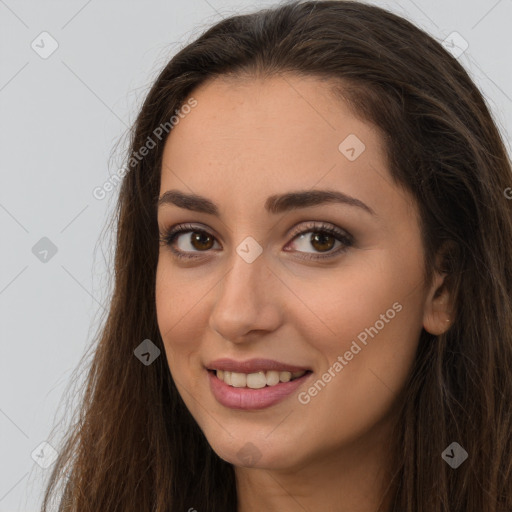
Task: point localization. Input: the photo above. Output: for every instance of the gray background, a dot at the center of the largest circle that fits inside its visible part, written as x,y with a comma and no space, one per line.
60,118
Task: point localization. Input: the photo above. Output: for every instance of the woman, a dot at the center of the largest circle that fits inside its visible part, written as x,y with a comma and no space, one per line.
247,366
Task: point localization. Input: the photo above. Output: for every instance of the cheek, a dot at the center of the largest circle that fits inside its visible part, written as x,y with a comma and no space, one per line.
177,309
339,304
366,327
358,382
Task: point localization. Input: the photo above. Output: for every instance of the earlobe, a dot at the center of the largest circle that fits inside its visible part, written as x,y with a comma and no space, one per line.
438,310
437,317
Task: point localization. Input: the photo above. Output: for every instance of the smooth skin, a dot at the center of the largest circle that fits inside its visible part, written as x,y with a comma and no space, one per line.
248,139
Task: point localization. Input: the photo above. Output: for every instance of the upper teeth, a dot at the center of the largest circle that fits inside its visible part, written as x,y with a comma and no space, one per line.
257,380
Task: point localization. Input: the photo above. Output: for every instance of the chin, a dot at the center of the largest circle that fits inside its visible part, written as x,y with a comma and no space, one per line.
253,452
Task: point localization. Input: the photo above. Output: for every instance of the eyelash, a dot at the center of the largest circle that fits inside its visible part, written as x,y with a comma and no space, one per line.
169,236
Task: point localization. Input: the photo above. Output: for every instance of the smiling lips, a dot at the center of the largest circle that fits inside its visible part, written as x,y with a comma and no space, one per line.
253,384
254,373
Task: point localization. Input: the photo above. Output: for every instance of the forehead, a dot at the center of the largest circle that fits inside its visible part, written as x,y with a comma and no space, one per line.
270,126
289,106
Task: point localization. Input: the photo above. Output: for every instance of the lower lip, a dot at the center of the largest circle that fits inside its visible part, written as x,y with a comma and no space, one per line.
252,399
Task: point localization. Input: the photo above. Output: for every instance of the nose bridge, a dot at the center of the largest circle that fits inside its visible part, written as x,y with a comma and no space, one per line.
242,283
247,258
243,302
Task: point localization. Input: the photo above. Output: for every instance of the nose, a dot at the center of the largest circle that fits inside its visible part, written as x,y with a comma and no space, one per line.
248,300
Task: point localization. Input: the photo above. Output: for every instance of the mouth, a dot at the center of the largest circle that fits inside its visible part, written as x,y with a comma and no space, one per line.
254,391
257,380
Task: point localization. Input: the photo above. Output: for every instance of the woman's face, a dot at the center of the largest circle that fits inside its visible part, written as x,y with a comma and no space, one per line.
265,281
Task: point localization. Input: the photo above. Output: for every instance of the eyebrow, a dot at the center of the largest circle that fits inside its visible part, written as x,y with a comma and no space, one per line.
274,204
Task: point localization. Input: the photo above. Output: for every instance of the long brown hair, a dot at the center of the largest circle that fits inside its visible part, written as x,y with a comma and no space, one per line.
135,446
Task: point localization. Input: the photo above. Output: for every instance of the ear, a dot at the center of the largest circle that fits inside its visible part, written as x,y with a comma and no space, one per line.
438,309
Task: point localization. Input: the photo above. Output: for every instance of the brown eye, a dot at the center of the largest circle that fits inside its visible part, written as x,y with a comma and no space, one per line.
322,242
323,239
196,240
199,240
